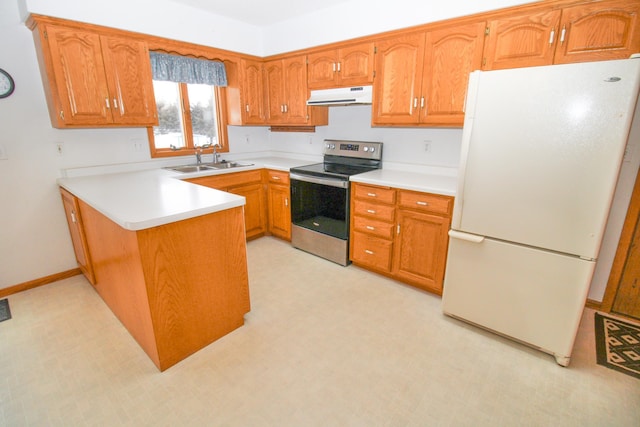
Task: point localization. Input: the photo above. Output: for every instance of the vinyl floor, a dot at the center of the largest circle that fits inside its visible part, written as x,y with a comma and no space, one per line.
323,345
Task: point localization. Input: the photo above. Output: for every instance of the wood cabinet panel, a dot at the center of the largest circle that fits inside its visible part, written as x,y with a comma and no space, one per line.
278,206
78,238
247,184
420,249
599,31
401,233
451,54
94,80
522,41
255,221
285,82
372,252
398,77
347,66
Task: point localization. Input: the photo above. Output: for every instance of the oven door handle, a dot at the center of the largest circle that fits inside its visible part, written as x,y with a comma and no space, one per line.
322,181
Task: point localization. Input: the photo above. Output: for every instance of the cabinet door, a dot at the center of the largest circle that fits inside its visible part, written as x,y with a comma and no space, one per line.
296,92
522,41
128,71
252,93
450,55
599,31
254,216
420,249
279,211
322,69
275,91
80,83
396,88
76,229
355,66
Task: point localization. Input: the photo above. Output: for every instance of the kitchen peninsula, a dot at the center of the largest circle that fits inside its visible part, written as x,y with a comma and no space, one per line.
167,257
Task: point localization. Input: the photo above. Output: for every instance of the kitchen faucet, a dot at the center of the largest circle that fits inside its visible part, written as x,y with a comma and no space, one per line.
216,156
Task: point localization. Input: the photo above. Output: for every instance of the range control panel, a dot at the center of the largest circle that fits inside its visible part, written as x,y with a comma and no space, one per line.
359,149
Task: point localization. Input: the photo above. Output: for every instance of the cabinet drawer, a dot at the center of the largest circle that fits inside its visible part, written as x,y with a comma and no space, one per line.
381,194
374,210
371,251
277,177
227,180
371,226
425,202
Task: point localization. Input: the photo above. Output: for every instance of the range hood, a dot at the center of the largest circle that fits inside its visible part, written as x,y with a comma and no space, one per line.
341,96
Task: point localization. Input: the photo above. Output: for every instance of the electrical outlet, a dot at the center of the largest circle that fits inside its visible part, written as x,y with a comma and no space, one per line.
427,146
137,145
247,139
59,148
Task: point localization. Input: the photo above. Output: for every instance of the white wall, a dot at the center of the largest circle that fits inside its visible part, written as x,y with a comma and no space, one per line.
358,18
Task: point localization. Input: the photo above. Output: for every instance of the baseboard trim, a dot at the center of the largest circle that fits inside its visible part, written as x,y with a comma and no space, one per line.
595,305
38,282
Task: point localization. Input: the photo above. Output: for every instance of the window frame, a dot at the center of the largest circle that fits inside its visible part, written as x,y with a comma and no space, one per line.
221,117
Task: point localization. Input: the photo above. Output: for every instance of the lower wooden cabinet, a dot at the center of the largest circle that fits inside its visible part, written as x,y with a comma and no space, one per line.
401,234
278,206
78,238
247,184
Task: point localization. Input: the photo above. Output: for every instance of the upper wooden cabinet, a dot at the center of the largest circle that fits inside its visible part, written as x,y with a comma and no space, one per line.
344,67
285,83
95,80
586,32
421,78
245,93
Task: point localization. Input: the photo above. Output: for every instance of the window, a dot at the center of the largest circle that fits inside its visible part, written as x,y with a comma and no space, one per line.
190,115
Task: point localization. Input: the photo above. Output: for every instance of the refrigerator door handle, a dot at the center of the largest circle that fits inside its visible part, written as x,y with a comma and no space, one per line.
473,238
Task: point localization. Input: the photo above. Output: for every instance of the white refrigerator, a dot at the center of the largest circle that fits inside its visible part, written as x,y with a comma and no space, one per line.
541,152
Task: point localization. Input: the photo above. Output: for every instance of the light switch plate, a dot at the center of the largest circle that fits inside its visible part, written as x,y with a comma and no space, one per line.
3,153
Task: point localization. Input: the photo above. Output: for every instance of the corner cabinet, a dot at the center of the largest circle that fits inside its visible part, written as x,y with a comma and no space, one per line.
586,32
247,184
278,206
401,234
78,238
421,78
94,80
245,93
285,84
344,67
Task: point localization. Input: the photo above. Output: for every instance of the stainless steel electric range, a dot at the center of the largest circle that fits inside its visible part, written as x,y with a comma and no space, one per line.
320,195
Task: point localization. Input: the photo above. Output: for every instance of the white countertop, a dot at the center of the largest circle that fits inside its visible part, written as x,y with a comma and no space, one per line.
149,198
145,199
426,182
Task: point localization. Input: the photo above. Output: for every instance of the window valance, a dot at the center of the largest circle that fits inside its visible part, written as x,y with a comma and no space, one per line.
183,69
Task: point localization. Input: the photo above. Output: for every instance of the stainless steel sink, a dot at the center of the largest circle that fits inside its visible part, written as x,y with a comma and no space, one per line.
189,168
207,167
228,165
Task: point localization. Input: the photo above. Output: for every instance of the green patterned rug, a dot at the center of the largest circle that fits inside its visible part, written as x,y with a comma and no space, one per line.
618,345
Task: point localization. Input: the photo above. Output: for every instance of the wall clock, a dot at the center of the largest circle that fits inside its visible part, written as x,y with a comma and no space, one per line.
7,84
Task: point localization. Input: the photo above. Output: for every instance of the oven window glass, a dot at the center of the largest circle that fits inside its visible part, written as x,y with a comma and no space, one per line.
321,208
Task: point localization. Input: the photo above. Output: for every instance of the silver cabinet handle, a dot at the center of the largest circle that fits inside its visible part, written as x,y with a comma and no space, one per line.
422,203
422,102
562,34
106,101
398,229
334,67
275,178
286,201
115,103
338,67
370,227
371,211
368,252
246,108
73,217
415,102
372,195
552,35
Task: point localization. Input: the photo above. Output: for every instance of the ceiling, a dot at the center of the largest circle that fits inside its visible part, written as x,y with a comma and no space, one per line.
261,12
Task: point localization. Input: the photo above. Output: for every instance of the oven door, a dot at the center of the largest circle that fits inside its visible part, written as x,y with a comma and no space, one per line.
320,204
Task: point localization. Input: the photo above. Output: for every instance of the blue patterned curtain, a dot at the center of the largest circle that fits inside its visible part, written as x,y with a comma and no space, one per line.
183,69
